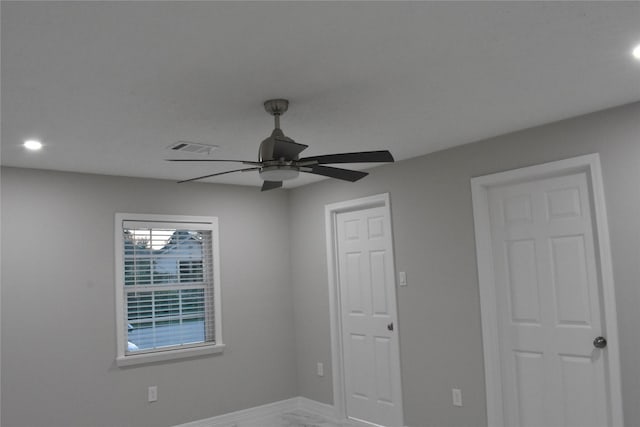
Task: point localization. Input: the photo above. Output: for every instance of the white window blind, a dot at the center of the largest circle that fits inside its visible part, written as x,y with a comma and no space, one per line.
168,289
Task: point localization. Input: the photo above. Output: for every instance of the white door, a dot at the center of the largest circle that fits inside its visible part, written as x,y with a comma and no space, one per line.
368,317
548,300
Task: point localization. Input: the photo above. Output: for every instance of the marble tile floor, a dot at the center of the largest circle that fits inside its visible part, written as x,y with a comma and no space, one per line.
299,418
304,419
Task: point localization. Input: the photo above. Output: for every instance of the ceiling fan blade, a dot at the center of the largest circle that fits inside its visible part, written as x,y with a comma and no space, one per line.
287,149
381,156
218,174
245,162
271,185
344,174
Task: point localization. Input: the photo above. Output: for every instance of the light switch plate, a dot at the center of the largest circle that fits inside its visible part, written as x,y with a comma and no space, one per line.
152,393
456,393
402,278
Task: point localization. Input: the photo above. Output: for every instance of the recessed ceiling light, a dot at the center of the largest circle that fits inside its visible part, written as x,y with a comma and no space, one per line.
636,52
32,144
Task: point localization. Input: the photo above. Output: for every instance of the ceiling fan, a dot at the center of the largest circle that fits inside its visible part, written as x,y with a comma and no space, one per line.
278,157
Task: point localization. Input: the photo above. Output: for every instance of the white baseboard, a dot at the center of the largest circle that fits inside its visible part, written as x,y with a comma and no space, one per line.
256,416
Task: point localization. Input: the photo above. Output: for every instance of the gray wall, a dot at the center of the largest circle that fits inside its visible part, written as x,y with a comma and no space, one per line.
439,312
58,326
58,316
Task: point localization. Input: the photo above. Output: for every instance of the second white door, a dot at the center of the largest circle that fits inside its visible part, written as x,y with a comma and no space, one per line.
549,304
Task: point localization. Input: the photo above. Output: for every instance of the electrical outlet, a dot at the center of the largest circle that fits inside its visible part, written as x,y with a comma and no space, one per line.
152,393
457,396
320,369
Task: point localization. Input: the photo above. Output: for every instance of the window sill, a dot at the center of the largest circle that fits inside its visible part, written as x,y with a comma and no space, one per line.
161,356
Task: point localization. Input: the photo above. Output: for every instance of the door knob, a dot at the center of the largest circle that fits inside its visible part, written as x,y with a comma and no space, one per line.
600,342
390,326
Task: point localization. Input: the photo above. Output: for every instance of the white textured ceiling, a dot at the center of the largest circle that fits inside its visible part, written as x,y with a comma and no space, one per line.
108,86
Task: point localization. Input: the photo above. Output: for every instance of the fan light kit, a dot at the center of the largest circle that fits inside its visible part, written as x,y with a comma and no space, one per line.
278,157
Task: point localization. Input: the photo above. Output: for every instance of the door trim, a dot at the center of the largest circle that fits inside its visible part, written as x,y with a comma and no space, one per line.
589,163
331,212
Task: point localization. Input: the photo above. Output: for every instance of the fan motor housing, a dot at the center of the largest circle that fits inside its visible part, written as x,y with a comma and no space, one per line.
267,150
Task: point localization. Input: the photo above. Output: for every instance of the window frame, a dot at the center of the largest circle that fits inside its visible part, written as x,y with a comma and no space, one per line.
202,222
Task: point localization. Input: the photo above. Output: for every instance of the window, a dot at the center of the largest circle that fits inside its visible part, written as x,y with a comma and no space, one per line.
167,287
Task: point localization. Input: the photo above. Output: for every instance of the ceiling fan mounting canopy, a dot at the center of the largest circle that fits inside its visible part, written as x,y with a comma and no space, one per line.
276,107
278,157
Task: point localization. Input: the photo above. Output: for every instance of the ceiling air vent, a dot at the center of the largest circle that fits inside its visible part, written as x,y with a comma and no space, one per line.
192,147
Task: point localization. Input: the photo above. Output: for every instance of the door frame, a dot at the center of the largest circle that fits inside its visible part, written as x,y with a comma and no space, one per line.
331,212
480,186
